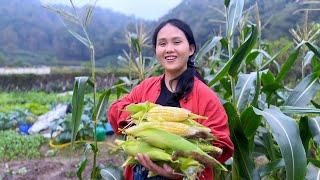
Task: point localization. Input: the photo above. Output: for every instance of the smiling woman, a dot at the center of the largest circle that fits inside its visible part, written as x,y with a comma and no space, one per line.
179,86
145,9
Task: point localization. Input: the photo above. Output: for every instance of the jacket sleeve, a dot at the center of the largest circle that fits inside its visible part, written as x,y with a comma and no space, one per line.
218,123
116,115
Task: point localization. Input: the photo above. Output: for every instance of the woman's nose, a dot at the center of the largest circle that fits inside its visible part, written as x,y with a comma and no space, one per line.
169,48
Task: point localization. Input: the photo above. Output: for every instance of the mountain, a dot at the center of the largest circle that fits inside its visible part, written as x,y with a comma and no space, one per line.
32,35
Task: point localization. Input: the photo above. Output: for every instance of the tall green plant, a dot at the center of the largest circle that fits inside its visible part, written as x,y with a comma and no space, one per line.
256,100
84,84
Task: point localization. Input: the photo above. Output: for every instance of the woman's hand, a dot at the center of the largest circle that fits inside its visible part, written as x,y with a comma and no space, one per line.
165,171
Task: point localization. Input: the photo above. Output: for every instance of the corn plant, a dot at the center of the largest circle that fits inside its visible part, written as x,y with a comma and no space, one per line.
140,67
262,113
83,84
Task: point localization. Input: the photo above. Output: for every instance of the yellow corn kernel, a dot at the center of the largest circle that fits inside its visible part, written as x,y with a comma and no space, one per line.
171,127
166,113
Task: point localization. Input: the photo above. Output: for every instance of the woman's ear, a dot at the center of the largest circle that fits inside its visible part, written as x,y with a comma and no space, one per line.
192,49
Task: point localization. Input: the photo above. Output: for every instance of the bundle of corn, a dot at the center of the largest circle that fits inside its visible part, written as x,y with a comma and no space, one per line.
170,135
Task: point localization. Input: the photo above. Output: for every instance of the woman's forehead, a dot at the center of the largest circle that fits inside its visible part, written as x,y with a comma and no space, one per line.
170,31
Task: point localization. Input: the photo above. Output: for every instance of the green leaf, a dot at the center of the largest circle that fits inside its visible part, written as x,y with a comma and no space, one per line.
224,43
234,15
237,58
250,122
255,100
283,50
269,83
288,64
313,48
307,58
313,172
254,54
242,162
286,133
316,105
305,91
82,168
77,104
219,75
245,84
243,51
315,162
314,125
101,106
299,110
226,3
208,45
305,132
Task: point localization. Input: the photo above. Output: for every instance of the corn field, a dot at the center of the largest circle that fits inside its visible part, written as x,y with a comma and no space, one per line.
274,127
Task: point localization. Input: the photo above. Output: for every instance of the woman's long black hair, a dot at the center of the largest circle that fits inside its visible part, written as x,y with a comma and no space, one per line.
186,79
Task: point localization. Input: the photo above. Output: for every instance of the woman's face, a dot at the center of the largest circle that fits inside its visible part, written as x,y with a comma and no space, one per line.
173,49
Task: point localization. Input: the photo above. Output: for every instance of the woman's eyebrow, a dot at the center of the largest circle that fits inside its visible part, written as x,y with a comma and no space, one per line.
171,38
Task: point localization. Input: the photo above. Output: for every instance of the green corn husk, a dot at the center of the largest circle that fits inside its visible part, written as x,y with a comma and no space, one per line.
165,140
133,147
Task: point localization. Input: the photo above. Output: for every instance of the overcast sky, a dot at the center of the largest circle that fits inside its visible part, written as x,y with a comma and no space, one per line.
146,9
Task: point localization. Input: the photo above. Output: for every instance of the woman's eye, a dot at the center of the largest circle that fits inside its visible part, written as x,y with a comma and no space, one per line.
161,44
177,42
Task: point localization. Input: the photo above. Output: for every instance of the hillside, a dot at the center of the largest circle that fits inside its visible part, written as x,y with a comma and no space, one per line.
31,35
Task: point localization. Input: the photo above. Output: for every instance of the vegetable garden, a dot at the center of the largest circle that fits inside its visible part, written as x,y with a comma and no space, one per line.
273,119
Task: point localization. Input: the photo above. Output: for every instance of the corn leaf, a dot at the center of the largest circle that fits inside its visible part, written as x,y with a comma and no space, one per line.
307,58
243,51
101,106
288,64
226,3
234,15
208,45
313,172
242,163
299,110
314,125
313,48
250,122
245,84
236,59
285,132
283,50
305,91
305,132
77,104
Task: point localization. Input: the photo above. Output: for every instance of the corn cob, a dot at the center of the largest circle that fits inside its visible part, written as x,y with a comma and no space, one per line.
164,140
190,167
144,107
133,147
165,113
207,147
172,127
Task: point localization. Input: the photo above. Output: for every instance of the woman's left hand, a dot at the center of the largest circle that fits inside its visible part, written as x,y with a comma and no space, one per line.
165,171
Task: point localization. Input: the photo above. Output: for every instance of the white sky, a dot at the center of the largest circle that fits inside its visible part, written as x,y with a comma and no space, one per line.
146,9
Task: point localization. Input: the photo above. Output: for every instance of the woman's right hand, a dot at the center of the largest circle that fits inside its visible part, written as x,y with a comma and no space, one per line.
165,171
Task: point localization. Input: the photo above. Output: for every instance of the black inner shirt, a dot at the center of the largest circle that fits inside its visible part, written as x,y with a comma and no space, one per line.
167,98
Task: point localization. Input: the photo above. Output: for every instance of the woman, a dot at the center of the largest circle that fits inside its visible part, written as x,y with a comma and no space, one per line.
179,86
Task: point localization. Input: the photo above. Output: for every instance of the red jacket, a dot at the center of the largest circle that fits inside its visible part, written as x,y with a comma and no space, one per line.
202,100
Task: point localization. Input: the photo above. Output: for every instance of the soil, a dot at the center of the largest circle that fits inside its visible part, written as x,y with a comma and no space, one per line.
62,165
